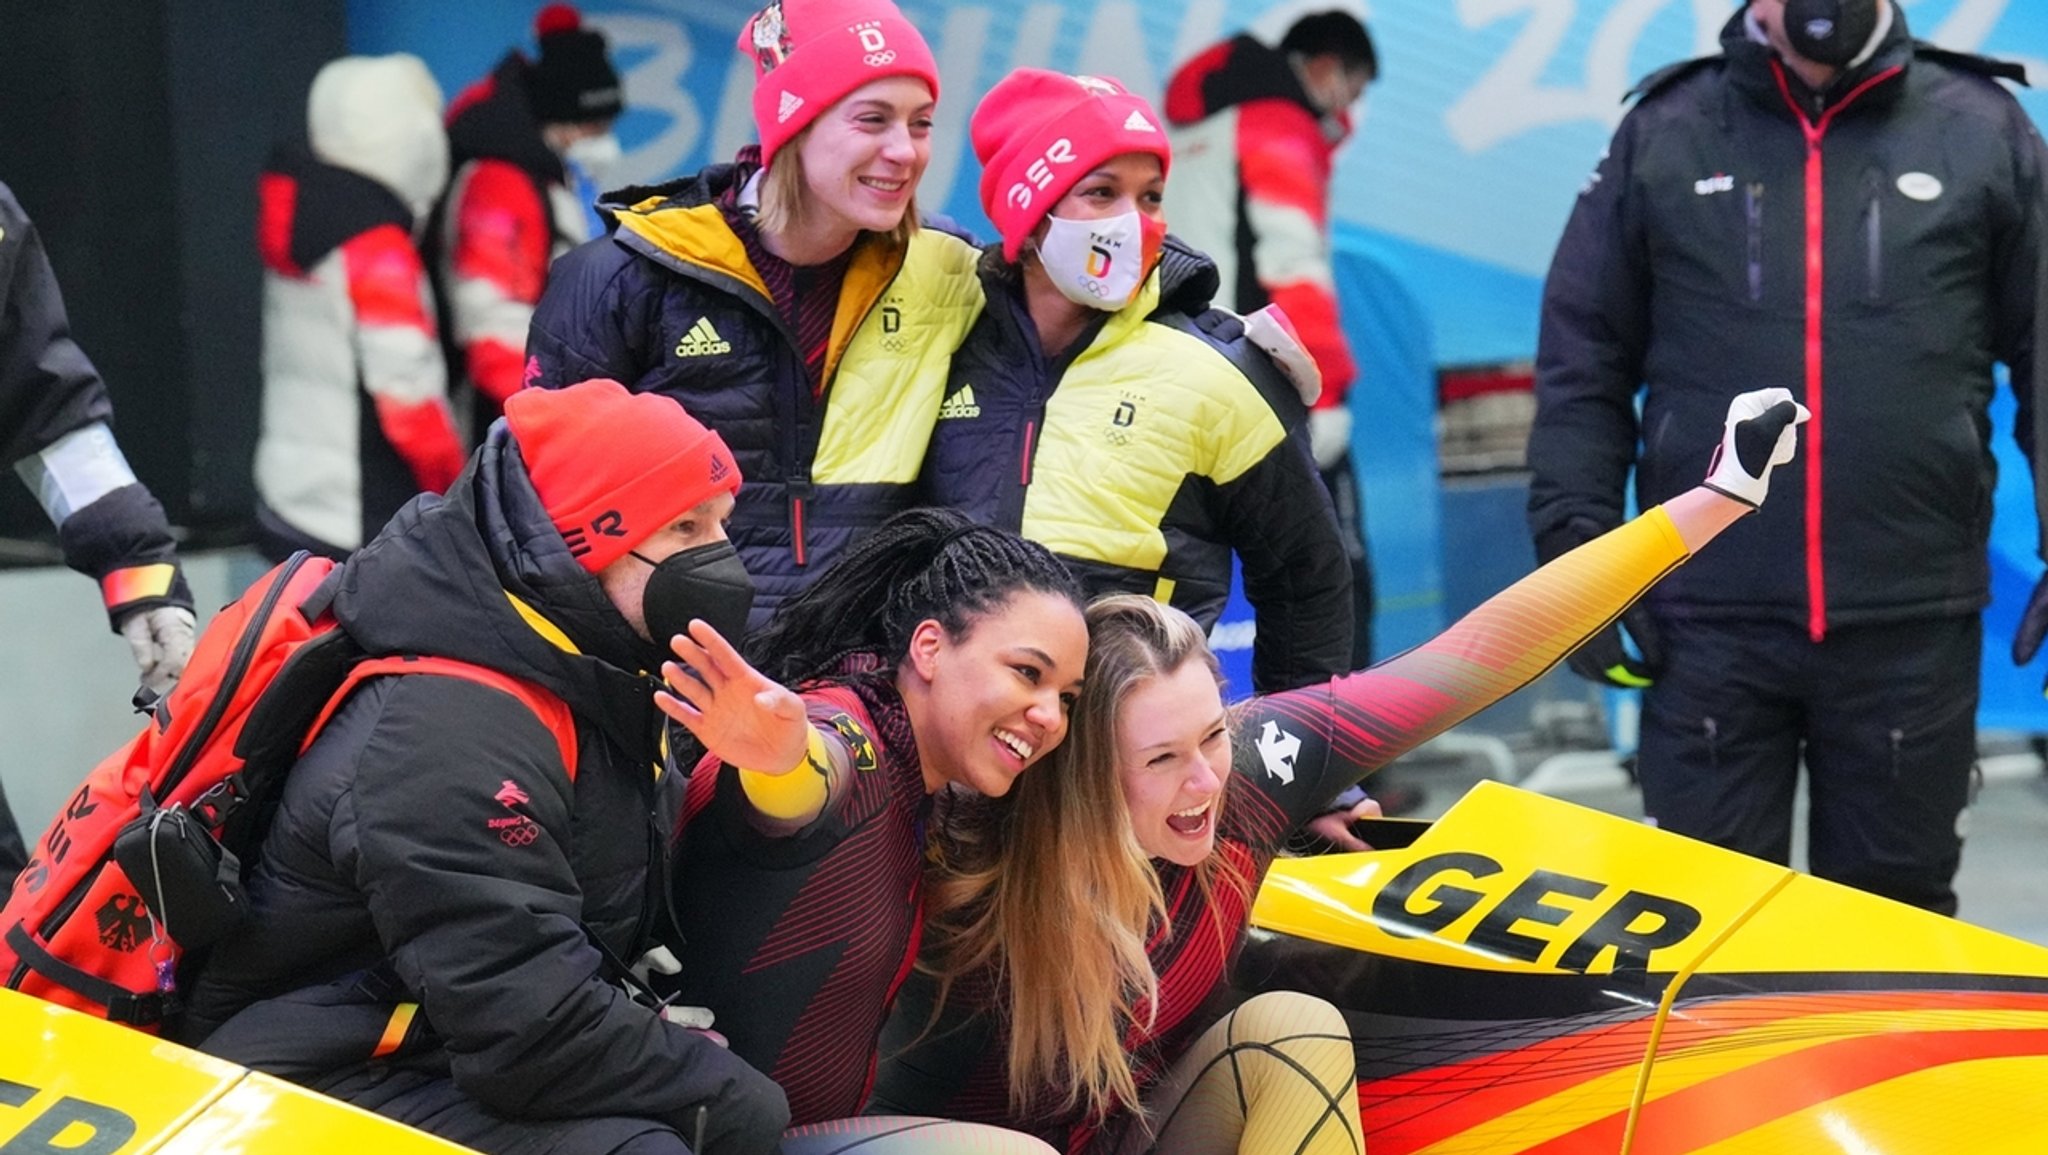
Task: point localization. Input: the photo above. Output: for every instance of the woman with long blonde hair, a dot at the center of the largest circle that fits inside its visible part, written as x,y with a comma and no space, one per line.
1158,819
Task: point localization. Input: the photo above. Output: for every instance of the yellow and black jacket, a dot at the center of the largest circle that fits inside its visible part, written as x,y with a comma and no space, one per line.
1158,445
670,304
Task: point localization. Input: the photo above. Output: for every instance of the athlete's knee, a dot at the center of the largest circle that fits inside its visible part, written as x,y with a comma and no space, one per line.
748,1117
1307,1034
663,1142
1277,1015
908,1135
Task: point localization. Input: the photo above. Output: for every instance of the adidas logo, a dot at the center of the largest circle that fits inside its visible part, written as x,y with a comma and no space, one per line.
1136,122
719,469
702,341
960,404
790,103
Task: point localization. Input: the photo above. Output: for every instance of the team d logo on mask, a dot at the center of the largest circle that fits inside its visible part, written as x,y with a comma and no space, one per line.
1095,263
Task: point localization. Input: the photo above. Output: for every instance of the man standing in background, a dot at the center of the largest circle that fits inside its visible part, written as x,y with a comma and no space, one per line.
54,417
522,139
1828,206
1255,132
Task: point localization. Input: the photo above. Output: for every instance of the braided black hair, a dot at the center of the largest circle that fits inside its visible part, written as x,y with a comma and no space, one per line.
922,563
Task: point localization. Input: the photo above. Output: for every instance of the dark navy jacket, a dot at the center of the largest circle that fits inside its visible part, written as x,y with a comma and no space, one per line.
1691,269
670,304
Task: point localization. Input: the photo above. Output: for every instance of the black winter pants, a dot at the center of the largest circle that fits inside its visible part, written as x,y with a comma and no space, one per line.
1884,717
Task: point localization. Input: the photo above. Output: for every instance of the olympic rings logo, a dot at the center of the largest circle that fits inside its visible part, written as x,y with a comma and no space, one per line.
878,59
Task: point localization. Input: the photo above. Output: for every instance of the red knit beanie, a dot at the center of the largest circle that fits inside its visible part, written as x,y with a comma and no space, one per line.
1037,133
613,467
810,54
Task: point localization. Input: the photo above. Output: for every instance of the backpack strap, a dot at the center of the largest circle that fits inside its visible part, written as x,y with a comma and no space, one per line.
552,711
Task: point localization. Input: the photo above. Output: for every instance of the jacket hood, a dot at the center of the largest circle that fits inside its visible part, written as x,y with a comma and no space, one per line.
1750,58
1237,71
306,208
493,119
482,576
706,186
380,116
1187,277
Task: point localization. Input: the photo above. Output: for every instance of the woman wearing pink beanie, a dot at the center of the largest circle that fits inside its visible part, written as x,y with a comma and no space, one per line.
1102,408
788,299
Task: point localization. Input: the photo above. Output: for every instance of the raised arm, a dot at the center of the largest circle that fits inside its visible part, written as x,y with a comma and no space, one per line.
748,720
1361,721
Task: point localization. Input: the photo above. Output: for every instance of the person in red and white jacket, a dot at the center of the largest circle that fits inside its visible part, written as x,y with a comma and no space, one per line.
1255,133
1255,130
356,419
511,208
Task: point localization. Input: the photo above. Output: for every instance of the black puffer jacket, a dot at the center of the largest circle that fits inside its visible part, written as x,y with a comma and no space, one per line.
1691,266
430,847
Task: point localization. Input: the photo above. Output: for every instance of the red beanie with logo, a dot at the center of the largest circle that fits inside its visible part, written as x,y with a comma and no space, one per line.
811,54
1037,133
612,467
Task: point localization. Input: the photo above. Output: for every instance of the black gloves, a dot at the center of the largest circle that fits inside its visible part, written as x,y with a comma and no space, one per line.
1604,658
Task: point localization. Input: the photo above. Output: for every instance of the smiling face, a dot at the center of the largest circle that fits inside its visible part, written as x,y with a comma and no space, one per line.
995,698
1173,761
863,157
625,580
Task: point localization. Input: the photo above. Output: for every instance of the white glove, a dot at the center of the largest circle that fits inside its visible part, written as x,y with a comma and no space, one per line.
161,640
1758,436
1329,435
659,961
1273,332
662,961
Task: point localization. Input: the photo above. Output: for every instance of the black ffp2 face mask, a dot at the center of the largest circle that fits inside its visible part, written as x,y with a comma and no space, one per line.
705,581
1830,32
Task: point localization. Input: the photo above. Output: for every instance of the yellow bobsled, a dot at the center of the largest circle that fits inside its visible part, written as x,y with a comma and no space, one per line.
1530,976
71,1084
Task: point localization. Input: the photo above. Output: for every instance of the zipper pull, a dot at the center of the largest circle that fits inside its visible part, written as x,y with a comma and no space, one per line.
799,492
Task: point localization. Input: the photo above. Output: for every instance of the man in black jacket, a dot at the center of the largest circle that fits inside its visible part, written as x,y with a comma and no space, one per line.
54,431
1831,207
447,887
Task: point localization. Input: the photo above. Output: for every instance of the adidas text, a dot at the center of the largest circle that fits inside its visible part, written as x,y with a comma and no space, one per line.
702,341
960,404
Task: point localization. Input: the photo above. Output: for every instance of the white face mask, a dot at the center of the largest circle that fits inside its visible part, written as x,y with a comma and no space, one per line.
1099,263
597,156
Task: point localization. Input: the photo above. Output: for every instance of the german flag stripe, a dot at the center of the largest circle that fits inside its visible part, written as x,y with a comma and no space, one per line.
395,1029
136,583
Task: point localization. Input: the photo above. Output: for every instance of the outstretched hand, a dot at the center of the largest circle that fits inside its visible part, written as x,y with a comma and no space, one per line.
1757,437
740,714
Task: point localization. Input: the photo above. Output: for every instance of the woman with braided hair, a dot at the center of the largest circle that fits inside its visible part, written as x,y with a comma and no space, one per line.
934,653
